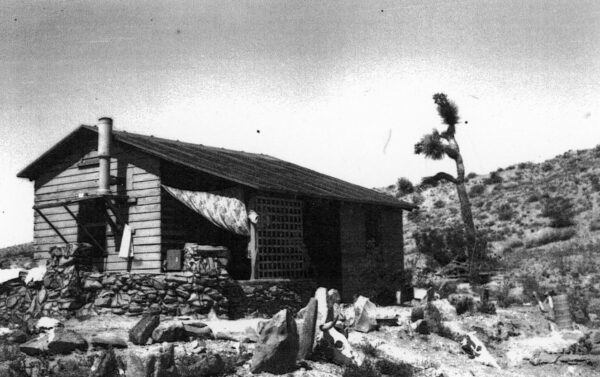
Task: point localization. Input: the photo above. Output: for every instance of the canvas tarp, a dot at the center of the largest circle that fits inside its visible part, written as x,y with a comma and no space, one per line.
224,212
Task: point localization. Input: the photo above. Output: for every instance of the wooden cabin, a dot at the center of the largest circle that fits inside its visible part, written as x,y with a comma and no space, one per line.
97,180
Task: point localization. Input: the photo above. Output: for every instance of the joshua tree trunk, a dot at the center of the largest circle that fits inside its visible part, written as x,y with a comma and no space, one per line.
439,145
463,197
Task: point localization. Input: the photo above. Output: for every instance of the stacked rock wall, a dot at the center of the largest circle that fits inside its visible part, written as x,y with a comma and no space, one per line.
69,288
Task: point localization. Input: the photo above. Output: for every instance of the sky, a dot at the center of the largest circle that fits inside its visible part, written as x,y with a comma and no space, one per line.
342,87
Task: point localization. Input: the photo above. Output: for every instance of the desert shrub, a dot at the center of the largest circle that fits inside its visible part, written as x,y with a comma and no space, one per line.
404,186
368,349
417,199
471,175
447,244
493,179
595,182
547,236
505,212
597,150
533,198
439,203
525,165
504,298
559,210
414,215
547,166
595,225
530,284
367,369
396,369
476,190
378,274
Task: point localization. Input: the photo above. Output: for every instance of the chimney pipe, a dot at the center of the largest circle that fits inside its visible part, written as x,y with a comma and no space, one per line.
104,139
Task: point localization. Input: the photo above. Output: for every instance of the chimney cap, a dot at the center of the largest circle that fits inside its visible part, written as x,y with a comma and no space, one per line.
105,120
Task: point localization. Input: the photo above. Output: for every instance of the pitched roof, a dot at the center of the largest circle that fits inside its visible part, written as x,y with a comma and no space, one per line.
259,171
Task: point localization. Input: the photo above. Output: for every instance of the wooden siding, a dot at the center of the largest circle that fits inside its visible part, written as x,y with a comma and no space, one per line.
141,181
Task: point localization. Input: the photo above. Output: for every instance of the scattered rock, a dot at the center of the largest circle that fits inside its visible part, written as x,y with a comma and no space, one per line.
207,365
444,308
421,327
158,361
277,345
364,315
107,340
12,369
46,323
476,349
417,313
36,346
307,330
92,284
170,331
198,332
141,332
63,341
105,365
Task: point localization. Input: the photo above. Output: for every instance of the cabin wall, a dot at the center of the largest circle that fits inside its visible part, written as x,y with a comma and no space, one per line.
65,179
352,247
354,235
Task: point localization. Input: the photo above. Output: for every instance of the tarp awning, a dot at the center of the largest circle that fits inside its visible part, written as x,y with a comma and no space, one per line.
222,211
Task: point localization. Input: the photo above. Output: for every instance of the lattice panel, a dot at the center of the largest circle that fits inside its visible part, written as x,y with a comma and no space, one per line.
280,238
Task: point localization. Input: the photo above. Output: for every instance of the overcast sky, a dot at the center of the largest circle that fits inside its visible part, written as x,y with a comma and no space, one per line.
343,87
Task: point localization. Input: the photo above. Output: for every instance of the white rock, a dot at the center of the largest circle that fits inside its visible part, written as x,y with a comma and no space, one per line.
47,323
35,274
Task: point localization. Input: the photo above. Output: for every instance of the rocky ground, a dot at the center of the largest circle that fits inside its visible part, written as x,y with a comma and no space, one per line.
407,342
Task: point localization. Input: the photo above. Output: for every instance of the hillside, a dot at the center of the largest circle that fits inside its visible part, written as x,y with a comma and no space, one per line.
17,256
509,205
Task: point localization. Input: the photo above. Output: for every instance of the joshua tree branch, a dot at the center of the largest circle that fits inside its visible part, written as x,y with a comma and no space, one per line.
441,176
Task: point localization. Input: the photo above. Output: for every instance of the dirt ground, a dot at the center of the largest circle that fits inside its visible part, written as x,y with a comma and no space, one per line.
431,355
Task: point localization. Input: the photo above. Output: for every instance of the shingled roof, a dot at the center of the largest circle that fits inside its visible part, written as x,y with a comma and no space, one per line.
259,171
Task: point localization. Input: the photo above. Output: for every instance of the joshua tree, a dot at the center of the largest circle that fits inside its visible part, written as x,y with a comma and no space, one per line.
436,146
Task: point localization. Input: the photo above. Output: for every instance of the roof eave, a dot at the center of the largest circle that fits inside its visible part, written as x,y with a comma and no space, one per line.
29,170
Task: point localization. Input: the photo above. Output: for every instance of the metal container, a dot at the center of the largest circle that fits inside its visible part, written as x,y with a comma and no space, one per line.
562,314
174,260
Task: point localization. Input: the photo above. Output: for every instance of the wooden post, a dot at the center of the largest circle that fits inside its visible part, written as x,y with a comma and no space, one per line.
51,225
96,243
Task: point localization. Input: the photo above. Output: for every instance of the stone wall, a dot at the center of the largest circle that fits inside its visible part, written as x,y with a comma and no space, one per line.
69,289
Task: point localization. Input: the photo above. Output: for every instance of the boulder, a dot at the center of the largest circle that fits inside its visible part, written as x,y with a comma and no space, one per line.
106,340
63,341
207,365
307,330
421,327
36,346
158,361
105,365
92,285
46,323
322,309
198,332
141,332
446,311
364,315
417,313
170,331
277,345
